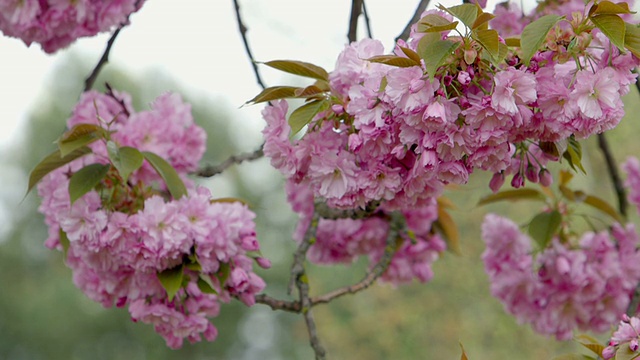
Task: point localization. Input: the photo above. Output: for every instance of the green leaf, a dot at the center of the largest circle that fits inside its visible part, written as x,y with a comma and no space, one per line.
85,179
223,273
590,343
435,23
534,34
573,154
543,226
64,242
489,40
632,38
305,113
512,42
274,93
625,353
79,136
309,91
394,60
434,52
512,195
467,13
52,162
205,285
299,68
125,159
167,173
171,280
613,27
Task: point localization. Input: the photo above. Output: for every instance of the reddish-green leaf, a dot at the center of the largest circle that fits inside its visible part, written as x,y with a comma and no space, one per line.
394,60
52,162
607,7
463,356
612,26
305,113
435,23
85,179
274,93
309,91
167,173
573,154
299,68
411,54
603,206
512,195
534,34
79,136
512,42
171,280
482,22
447,227
543,226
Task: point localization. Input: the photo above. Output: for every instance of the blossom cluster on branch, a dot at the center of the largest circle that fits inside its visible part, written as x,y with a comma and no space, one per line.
56,24
130,240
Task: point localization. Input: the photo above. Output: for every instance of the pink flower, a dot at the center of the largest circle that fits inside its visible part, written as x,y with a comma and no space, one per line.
595,93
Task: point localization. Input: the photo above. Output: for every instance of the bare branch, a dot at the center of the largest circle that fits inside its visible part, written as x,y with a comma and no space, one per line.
612,167
210,171
88,83
356,10
275,304
422,6
367,20
243,32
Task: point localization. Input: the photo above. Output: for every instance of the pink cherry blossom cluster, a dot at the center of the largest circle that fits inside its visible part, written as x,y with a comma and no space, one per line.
120,239
626,335
341,241
392,134
56,24
632,183
564,287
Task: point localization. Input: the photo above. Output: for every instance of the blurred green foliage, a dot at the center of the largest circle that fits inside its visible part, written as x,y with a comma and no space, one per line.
43,316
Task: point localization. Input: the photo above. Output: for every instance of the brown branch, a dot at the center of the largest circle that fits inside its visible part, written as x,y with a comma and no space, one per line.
275,304
422,6
356,10
614,174
243,32
211,170
367,20
88,83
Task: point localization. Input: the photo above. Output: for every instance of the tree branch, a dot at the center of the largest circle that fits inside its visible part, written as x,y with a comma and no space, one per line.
89,81
614,174
356,10
330,213
211,170
367,20
422,6
243,32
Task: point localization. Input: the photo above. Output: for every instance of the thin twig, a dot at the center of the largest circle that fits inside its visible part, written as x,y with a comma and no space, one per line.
330,213
243,32
396,226
275,304
299,257
356,10
211,170
422,6
367,20
612,167
88,83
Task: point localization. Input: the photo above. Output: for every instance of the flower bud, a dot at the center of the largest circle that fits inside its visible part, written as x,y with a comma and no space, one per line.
263,262
608,353
633,345
496,182
337,109
545,178
625,318
532,174
517,181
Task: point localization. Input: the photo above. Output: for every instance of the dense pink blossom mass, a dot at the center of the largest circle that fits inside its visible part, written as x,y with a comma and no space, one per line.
121,237
56,24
